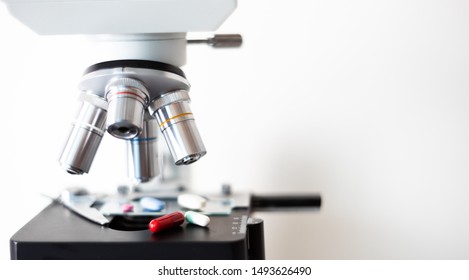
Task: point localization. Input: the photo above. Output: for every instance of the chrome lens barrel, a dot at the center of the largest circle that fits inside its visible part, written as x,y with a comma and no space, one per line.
119,94
85,136
142,152
127,99
177,123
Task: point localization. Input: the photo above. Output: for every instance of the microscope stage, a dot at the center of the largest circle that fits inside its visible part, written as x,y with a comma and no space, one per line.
58,233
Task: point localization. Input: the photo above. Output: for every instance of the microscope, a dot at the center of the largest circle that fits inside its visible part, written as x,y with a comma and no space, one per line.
136,91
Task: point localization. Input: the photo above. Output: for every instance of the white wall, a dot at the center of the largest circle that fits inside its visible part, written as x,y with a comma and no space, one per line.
364,102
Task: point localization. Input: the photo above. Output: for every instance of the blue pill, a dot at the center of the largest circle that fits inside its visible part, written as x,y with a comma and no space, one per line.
151,204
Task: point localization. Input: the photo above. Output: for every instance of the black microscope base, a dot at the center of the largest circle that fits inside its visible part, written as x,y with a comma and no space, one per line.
57,233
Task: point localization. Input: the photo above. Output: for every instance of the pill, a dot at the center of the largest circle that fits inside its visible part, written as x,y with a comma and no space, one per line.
166,222
127,207
191,201
197,218
151,204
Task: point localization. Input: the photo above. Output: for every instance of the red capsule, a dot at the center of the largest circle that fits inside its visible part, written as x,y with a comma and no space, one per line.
166,222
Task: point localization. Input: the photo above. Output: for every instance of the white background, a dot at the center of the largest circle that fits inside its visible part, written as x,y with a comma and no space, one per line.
365,102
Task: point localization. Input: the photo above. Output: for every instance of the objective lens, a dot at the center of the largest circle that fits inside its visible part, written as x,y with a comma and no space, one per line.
174,116
142,152
127,99
85,135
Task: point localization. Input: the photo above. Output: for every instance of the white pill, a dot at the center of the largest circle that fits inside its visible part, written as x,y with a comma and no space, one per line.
191,201
197,218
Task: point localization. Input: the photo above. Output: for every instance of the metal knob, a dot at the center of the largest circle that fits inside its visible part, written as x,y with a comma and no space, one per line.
220,41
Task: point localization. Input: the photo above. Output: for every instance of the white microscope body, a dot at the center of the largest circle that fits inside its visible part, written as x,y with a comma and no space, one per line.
134,86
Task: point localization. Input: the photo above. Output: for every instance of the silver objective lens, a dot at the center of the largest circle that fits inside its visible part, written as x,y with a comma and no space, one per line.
85,135
177,124
142,152
127,99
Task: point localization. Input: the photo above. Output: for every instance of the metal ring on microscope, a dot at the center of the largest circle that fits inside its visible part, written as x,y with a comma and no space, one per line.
134,63
168,98
159,78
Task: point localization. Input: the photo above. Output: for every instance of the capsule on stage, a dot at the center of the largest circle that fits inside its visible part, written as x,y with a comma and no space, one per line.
197,218
166,222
